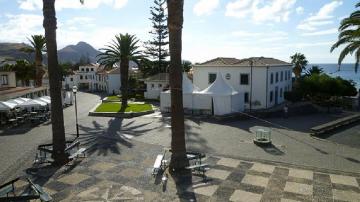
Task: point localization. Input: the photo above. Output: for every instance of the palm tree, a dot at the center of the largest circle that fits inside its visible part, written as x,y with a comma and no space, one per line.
122,50
299,61
38,43
57,117
314,70
175,22
350,36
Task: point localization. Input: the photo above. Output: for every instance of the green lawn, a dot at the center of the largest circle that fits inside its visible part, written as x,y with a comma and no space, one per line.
113,98
115,107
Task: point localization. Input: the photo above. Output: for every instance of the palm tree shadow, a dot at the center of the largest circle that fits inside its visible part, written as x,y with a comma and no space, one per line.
105,139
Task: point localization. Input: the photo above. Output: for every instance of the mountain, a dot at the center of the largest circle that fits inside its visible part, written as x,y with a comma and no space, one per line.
12,51
72,53
75,53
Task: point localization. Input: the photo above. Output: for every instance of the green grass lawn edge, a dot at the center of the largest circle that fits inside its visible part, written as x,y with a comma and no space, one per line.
115,107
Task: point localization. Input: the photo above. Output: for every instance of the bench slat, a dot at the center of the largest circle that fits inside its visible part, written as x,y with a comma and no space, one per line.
197,166
158,160
77,153
5,190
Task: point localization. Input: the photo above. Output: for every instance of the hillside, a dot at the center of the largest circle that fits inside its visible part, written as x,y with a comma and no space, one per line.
73,53
70,53
12,51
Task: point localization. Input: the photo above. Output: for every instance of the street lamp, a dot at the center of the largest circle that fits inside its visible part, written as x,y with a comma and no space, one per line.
74,89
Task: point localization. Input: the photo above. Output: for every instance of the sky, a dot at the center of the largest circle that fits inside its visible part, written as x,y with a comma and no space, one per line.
212,28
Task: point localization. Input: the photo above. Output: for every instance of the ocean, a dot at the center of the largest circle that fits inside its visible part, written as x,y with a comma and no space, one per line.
347,71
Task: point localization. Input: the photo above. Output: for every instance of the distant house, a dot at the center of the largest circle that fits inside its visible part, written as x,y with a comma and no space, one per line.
9,89
93,77
155,85
262,80
7,79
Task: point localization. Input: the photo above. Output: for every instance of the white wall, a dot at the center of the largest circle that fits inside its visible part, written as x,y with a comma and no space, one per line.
113,83
154,88
260,90
9,79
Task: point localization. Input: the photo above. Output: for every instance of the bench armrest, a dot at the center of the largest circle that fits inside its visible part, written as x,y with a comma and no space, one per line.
10,182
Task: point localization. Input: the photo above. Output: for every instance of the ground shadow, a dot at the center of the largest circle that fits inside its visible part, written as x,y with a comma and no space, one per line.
102,139
273,150
184,185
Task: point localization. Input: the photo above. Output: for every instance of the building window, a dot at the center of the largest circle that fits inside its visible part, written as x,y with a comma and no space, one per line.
4,80
289,75
92,69
212,78
276,77
244,79
281,92
246,97
281,76
160,85
271,78
271,96
87,69
71,79
152,85
81,77
82,69
85,77
228,76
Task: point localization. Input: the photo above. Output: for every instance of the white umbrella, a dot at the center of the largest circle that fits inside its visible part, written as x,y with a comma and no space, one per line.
16,101
32,103
43,99
6,106
24,99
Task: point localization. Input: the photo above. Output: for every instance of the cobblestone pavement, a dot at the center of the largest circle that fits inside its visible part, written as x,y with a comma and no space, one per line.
127,176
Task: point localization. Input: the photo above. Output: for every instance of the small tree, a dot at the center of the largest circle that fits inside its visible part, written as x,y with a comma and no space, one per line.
157,47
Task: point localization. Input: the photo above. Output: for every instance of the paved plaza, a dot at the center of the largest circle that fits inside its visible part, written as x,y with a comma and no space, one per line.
121,152
127,176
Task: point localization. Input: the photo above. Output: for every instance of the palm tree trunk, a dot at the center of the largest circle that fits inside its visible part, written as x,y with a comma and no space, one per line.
124,68
38,64
57,118
178,147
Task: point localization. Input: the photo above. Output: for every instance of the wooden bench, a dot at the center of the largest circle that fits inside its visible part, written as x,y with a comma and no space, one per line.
45,197
317,130
45,151
34,191
159,164
199,169
77,154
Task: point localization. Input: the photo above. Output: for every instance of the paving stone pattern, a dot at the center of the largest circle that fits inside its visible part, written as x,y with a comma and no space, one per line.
228,180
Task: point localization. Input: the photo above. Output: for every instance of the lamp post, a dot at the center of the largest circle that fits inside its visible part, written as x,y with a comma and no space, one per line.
74,89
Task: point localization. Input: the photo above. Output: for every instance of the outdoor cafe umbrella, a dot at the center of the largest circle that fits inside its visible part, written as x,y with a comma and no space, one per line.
32,103
16,101
44,99
6,106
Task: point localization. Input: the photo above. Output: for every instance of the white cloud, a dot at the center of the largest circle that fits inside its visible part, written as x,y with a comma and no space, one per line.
18,27
321,33
73,4
205,7
322,17
261,11
260,36
300,10
315,44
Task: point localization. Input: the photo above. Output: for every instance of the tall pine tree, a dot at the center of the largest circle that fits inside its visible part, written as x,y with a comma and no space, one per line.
157,47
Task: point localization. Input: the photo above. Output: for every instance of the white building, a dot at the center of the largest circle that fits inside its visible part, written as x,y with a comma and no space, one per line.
94,77
7,79
155,85
262,81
